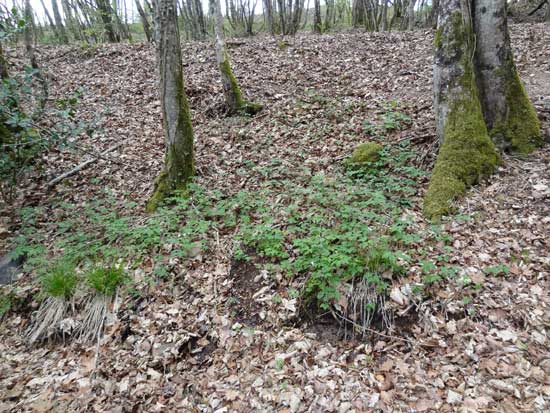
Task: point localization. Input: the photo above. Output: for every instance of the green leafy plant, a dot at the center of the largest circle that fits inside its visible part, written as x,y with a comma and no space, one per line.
500,269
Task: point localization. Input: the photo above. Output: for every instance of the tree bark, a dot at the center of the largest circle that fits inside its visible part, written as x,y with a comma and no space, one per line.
49,18
4,73
411,14
329,16
179,166
317,23
434,13
105,12
59,23
510,117
385,15
466,154
28,35
144,21
231,90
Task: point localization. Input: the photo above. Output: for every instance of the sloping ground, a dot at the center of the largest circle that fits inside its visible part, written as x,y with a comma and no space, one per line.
177,348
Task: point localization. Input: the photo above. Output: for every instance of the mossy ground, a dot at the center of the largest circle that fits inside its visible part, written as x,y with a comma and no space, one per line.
364,154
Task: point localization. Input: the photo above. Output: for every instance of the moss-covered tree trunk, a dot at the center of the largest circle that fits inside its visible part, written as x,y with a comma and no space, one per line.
467,153
4,73
231,90
179,164
510,117
106,12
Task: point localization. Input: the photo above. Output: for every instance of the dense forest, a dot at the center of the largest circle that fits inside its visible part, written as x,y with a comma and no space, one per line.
274,205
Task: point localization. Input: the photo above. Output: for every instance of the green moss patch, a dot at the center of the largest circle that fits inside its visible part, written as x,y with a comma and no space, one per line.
523,126
365,154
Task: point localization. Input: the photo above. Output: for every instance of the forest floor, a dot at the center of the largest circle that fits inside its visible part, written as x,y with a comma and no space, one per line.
178,344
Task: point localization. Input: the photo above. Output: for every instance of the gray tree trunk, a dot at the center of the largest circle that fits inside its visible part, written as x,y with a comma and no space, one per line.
144,21
317,22
29,35
49,18
509,115
411,14
329,16
385,15
179,165
59,23
231,90
466,154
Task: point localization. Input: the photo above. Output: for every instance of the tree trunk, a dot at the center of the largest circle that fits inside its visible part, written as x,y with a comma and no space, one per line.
4,73
179,165
329,17
466,154
231,90
385,15
144,21
28,35
105,12
49,18
59,23
510,117
317,23
411,14
434,13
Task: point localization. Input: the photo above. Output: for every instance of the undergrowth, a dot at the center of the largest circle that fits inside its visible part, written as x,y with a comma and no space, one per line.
352,229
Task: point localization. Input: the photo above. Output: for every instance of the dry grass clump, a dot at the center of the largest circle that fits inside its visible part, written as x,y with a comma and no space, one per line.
58,287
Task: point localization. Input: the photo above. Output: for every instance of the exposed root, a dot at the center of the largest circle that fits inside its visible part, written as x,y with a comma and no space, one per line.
361,305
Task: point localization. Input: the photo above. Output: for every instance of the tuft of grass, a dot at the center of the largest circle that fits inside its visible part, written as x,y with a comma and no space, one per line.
106,280
60,281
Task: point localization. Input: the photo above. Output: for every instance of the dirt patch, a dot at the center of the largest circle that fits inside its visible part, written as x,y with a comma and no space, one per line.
246,276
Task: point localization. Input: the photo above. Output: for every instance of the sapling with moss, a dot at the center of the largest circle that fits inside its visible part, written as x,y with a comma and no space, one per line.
58,288
179,162
234,99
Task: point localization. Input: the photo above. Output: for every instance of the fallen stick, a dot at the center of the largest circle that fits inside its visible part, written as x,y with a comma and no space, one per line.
536,9
82,166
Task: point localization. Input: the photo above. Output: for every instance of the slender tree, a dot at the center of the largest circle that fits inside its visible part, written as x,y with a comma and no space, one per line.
29,34
4,73
59,23
233,96
49,18
179,164
411,14
106,14
329,16
317,22
144,21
